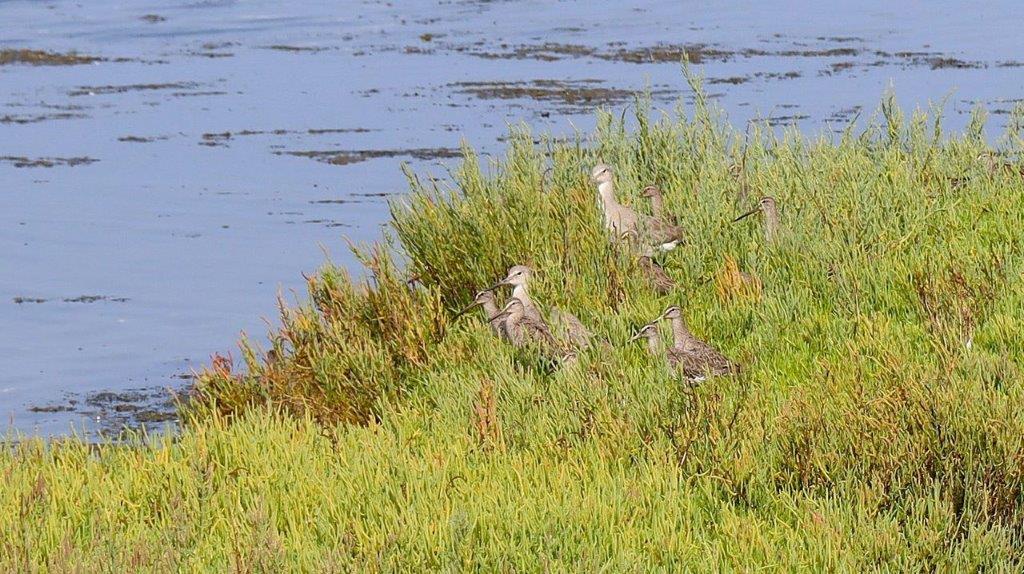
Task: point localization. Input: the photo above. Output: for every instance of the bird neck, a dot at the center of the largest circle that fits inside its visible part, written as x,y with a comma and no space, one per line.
771,223
607,192
657,205
653,344
519,292
490,308
681,336
514,317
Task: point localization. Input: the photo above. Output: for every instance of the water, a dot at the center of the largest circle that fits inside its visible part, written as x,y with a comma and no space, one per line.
197,197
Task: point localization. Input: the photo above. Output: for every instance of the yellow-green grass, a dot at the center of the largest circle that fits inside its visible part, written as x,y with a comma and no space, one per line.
878,422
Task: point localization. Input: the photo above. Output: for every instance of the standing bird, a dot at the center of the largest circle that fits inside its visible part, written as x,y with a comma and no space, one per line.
770,213
485,299
569,326
524,330
656,196
651,232
654,273
572,329
697,359
649,332
656,276
518,276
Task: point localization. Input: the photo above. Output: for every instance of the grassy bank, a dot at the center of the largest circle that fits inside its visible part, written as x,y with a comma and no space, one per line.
878,423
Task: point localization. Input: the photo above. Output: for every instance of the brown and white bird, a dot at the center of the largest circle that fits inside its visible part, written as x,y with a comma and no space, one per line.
524,330
656,196
569,327
518,277
656,276
769,212
485,299
696,358
651,233
649,332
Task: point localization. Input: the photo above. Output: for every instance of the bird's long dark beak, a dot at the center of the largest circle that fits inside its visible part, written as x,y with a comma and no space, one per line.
638,334
500,314
471,306
747,214
501,283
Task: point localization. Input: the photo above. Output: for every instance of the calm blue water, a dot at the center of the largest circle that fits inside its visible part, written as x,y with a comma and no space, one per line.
188,236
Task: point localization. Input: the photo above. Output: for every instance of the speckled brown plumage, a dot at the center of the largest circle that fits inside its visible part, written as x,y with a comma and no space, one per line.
696,358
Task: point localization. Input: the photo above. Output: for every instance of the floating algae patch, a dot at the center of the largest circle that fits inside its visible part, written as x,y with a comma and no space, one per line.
94,299
939,63
204,54
23,300
734,80
141,139
78,299
695,53
571,95
192,94
700,53
44,58
51,409
33,119
345,157
18,161
547,52
131,408
104,90
114,411
674,53
287,48
213,139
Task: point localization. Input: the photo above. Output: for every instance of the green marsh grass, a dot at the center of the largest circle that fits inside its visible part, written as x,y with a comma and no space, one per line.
878,424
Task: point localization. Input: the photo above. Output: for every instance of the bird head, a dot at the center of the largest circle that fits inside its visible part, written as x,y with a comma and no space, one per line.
479,299
648,330
672,312
513,307
651,191
601,173
517,275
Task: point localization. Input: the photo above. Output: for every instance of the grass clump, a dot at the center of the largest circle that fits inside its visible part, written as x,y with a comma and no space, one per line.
877,424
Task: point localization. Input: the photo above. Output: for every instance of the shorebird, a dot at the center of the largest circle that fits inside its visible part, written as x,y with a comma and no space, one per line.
566,323
656,196
572,329
651,232
697,359
770,213
517,277
649,332
524,330
485,299
656,276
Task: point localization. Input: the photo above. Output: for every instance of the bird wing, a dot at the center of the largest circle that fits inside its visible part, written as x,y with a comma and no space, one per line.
658,231
706,359
572,329
656,276
539,332
625,220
